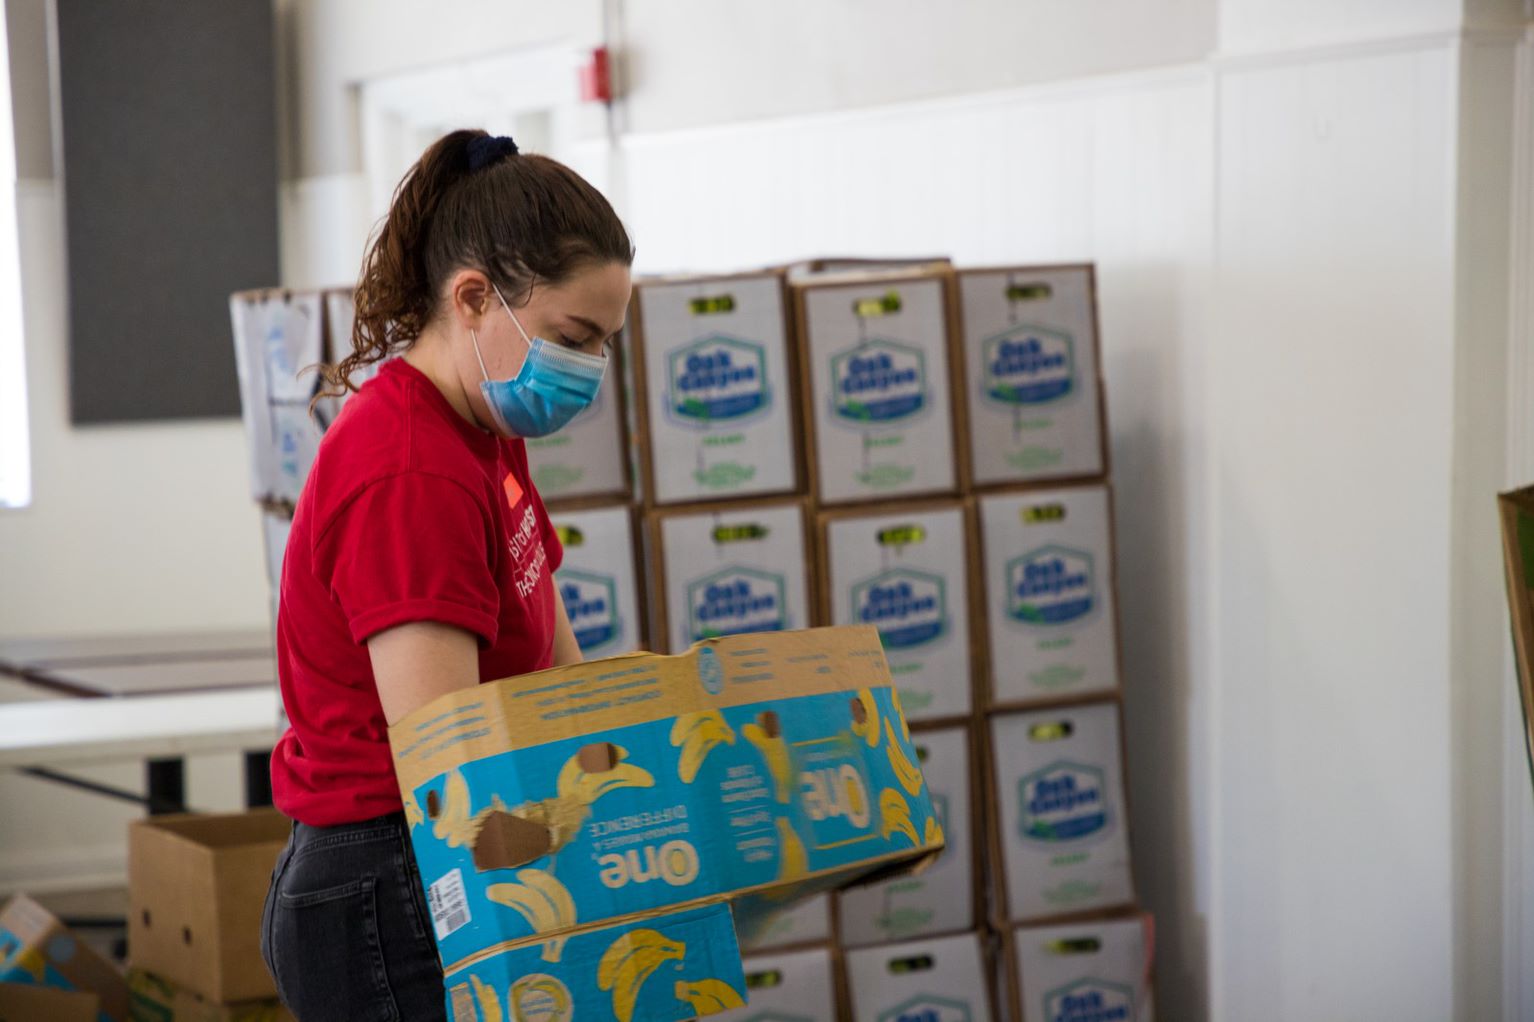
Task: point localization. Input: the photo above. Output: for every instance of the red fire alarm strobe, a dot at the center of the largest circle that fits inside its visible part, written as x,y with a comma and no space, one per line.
596,79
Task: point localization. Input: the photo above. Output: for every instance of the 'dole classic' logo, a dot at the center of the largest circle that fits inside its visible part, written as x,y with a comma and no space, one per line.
1052,585
1090,1000
924,1008
1028,365
736,600
591,601
1063,802
908,607
717,379
878,383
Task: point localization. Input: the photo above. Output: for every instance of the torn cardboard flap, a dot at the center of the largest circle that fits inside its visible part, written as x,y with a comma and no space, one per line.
772,766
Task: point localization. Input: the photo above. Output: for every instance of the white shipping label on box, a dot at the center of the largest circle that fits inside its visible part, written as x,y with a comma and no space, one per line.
586,458
907,574
1060,793
941,898
940,980
795,986
597,579
1030,350
276,338
878,362
805,922
1050,594
733,572
1085,971
716,370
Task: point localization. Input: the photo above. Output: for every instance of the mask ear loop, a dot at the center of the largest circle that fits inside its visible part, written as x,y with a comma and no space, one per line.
481,359
513,315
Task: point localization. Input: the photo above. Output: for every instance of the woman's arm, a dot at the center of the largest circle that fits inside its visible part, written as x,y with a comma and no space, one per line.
566,649
417,662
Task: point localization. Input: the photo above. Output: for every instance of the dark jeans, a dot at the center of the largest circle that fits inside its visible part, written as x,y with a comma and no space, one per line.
345,931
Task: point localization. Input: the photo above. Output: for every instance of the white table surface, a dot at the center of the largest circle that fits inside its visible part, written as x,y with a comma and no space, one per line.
163,678
55,732
29,654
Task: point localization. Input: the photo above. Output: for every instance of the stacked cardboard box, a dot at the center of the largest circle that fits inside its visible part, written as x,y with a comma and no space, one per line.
47,972
196,887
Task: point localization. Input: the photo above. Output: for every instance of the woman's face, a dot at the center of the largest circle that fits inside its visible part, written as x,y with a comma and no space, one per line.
584,313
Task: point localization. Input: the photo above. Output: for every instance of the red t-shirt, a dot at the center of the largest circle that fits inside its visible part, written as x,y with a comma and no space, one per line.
410,513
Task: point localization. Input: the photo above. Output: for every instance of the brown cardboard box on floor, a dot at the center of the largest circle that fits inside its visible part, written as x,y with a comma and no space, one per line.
196,887
154,999
37,949
21,1002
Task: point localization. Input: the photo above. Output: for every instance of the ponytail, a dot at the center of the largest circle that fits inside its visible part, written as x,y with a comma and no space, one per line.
472,200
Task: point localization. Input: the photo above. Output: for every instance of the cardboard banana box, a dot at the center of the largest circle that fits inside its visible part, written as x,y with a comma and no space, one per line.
622,794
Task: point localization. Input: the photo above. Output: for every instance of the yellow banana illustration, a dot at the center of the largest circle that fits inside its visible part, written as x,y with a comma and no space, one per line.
413,815
934,831
895,815
629,961
454,825
906,772
905,728
543,901
558,998
697,734
792,862
868,727
489,1003
575,784
708,996
775,752
32,962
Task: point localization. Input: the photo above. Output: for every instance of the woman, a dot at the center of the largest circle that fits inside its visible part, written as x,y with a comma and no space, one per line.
420,558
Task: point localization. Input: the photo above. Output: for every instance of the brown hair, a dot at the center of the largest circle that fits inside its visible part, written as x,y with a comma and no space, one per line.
520,218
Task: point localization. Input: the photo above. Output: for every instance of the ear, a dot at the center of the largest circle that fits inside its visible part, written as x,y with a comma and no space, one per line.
471,297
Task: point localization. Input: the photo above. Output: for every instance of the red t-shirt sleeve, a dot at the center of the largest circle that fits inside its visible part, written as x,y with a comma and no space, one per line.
411,547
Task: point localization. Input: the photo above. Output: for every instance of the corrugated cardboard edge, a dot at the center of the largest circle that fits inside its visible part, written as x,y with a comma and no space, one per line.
636,344
943,273
655,548
986,699
999,920
1103,440
1520,606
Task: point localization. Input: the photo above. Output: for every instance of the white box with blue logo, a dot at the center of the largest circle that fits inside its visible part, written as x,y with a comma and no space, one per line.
908,573
1096,971
1051,591
1033,377
583,833
879,389
729,570
714,388
790,986
1059,828
804,922
942,898
589,457
598,579
942,979
277,335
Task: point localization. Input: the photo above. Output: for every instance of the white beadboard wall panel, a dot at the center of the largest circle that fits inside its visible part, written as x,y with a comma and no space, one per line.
1119,171
1332,422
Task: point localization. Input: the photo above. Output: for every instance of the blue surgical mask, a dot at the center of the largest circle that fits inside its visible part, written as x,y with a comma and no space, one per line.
553,386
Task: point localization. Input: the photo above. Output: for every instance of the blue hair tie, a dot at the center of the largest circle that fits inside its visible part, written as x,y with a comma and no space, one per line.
487,149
